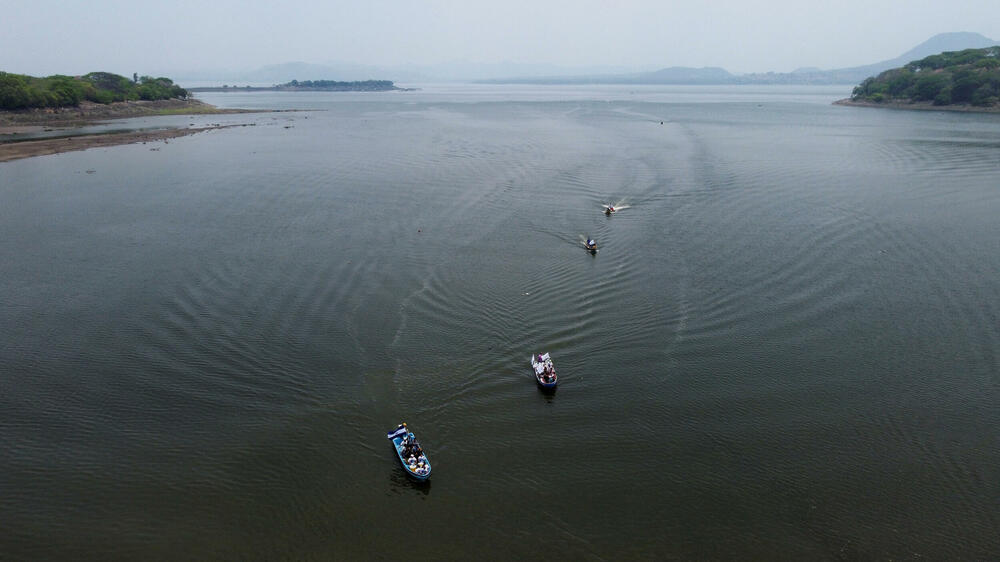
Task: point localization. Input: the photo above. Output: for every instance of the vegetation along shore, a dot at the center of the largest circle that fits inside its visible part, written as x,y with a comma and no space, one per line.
967,80
63,103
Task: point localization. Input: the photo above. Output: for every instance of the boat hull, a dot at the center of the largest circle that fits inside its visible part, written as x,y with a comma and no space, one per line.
397,443
535,364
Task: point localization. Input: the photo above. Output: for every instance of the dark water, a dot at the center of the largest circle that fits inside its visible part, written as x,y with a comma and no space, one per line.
787,346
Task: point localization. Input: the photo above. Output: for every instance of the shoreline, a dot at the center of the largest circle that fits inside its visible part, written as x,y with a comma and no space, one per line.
918,106
88,113
43,147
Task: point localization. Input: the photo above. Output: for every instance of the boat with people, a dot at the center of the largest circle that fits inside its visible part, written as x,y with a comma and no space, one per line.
545,372
591,245
608,209
410,453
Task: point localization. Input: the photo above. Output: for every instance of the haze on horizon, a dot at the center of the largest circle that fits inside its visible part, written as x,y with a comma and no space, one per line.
168,38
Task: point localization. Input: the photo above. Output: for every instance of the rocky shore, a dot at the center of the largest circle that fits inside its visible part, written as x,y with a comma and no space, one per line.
41,147
88,113
14,123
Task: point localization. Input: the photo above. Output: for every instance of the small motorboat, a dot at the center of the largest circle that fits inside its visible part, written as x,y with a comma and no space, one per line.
545,373
410,453
609,209
591,245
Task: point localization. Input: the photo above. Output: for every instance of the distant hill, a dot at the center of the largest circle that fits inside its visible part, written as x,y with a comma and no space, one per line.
809,75
672,75
940,43
686,75
852,75
528,73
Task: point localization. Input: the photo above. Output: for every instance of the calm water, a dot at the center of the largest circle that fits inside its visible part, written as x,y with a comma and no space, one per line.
788,346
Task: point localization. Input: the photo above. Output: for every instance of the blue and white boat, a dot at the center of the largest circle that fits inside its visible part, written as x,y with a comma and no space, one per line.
410,452
545,372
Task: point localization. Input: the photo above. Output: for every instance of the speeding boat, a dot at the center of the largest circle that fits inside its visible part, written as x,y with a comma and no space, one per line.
591,245
545,373
608,210
410,453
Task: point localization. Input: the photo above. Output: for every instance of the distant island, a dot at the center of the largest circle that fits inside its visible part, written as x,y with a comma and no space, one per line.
967,80
315,86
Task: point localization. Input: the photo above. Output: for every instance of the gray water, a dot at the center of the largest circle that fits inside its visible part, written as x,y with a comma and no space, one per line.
786,347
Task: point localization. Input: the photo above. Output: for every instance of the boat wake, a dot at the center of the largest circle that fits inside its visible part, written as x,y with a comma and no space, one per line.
583,242
615,206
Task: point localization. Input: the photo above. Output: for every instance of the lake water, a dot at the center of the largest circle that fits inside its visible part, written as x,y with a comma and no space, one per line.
787,347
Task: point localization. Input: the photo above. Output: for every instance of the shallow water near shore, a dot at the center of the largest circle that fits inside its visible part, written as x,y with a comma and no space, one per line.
786,347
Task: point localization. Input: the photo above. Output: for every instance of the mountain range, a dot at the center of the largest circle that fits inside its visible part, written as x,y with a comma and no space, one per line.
512,73
940,43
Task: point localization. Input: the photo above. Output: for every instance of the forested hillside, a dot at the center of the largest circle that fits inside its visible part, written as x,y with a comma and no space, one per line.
971,77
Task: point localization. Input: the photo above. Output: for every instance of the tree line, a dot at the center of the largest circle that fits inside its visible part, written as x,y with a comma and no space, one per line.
358,86
969,77
19,91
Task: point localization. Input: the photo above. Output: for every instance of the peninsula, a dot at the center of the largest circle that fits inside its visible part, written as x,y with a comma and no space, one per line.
967,80
61,104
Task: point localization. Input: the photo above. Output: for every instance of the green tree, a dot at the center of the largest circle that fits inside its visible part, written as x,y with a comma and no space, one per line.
900,82
964,83
14,91
927,85
987,94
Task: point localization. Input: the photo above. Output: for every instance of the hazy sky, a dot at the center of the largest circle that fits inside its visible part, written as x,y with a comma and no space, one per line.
43,37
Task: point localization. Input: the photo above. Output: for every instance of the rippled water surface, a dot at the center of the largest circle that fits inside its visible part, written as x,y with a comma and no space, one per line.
786,347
